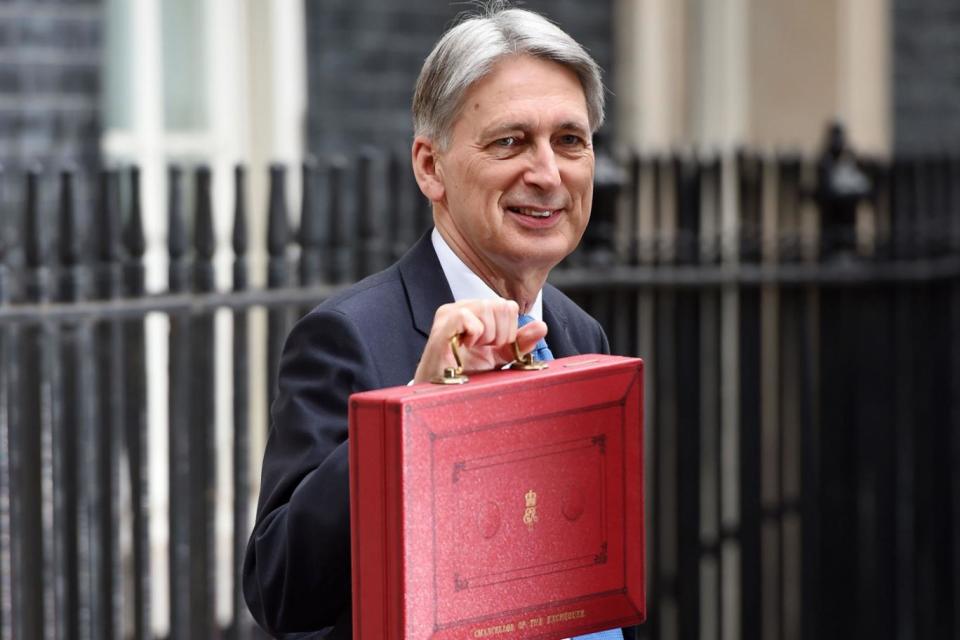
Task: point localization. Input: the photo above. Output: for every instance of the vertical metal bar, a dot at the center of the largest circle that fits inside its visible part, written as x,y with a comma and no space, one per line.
687,239
646,215
312,229
647,339
633,185
65,480
789,344
750,209
905,563
136,435
78,395
925,203
953,428
711,411
954,213
202,444
838,456
788,206
730,510
751,596
278,228
938,341
110,426
942,223
366,225
907,206
33,566
242,622
771,441
666,498
875,390
925,503
810,582
180,377
340,256
708,476
7,452
687,346
667,507
372,251
664,222
711,205
278,238
750,473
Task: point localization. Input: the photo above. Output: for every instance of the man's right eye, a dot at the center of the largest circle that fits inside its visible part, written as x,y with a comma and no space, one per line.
509,141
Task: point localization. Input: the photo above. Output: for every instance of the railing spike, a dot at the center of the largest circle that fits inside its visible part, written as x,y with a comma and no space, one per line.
133,233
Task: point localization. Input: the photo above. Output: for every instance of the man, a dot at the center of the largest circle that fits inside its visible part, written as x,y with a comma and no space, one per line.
504,112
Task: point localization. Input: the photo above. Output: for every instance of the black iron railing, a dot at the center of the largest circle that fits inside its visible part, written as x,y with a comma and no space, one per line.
803,401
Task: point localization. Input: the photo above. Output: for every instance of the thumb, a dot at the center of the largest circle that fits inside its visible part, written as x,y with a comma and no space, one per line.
529,335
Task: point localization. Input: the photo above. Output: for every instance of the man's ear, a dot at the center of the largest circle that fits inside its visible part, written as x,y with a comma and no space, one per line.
423,157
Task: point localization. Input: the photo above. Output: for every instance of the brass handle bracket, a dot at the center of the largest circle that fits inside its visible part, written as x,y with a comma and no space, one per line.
525,362
453,375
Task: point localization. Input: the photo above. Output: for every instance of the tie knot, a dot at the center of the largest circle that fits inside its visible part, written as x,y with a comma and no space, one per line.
540,351
524,319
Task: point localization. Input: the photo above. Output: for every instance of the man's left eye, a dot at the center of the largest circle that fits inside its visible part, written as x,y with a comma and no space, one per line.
569,140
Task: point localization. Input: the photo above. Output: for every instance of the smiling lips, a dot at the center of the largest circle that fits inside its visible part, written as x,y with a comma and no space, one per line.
533,212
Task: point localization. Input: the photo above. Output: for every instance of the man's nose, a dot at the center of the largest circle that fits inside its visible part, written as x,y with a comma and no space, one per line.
543,171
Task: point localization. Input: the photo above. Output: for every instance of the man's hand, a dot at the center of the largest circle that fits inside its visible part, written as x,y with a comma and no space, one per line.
487,330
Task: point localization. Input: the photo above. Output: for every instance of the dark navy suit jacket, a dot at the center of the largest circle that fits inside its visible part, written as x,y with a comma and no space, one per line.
296,574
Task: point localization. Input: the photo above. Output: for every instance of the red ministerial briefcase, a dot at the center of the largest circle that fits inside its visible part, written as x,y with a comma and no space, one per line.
508,507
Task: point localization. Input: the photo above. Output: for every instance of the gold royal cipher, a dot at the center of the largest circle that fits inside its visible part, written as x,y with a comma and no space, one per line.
530,515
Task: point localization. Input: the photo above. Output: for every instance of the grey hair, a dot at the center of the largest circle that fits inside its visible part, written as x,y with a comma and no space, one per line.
468,51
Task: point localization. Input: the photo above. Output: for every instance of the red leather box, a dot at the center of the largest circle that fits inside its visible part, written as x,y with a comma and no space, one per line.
507,507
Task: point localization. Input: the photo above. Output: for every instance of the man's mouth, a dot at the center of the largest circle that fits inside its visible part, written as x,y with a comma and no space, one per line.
532,212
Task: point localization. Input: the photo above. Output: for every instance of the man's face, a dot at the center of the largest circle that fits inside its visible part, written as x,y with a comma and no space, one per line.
518,172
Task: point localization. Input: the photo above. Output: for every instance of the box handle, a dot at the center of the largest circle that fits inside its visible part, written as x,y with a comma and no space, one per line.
454,375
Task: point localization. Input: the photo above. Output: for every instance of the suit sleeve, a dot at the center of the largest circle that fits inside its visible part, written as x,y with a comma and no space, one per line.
296,573
604,343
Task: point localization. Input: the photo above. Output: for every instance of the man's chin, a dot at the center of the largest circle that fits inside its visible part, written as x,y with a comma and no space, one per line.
539,258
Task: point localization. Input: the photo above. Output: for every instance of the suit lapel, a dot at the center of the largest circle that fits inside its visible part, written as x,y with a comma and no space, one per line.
424,283
558,339
427,288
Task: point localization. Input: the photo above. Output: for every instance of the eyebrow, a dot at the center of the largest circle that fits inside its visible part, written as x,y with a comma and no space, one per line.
506,127
576,127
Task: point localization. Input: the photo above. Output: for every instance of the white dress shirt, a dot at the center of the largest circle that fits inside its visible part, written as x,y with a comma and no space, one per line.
465,284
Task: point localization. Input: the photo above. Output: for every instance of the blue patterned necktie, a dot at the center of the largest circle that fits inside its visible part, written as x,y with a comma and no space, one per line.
540,351
609,634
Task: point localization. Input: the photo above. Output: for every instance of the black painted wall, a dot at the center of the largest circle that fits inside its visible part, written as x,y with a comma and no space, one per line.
926,86
363,57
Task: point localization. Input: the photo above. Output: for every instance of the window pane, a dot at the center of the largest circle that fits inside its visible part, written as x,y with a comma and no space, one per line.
118,97
184,65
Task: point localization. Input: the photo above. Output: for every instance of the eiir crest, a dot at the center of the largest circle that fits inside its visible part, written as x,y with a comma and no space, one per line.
530,515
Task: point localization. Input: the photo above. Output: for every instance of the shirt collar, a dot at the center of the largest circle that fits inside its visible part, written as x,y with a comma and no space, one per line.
464,283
